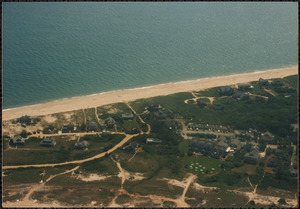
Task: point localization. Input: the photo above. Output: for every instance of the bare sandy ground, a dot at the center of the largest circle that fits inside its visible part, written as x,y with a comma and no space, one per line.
138,93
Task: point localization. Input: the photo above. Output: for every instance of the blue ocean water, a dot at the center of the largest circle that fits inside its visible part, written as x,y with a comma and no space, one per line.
60,50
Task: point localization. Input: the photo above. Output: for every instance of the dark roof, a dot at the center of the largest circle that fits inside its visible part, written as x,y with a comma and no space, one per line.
225,90
153,106
277,83
160,115
263,82
24,119
244,86
48,142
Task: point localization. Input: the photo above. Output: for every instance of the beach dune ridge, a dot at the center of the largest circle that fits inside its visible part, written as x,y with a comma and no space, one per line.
111,97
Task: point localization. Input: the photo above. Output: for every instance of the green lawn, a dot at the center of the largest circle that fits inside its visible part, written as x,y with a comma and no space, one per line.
202,165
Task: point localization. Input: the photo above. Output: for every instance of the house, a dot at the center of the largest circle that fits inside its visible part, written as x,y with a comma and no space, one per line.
171,125
92,126
153,106
81,145
240,96
105,133
225,91
67,128
220,148
24,119
160,115
201,146
235,143
267,137
252,157
153,141
263,82
277,83
127,116
18,140
201,103
110,122
48,142
132,147
244,87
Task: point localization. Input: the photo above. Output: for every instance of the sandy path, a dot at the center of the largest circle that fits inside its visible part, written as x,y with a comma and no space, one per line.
26,198
134,112
271,92
211,99
182,202
126,139
139,93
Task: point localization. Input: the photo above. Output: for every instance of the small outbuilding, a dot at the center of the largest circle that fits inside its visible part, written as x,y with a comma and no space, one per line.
48,142
67,128
82,145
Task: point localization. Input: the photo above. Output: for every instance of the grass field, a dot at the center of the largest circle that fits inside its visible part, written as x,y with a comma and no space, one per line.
202,165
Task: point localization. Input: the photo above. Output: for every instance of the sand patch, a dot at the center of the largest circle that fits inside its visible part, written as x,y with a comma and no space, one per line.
49,118
92,177
203,188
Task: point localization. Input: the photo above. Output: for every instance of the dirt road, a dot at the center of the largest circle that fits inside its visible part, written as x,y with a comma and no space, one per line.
126,139
39,186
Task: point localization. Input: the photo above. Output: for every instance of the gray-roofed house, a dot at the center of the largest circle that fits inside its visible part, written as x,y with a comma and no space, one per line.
252,157
244,87
153,141
225,91
171,125
92,126
277,83
131,147
235,143
153,106
267,137
110,122
127,116
81,145
67,128
221,148
18,140
48,142
201,103
263,82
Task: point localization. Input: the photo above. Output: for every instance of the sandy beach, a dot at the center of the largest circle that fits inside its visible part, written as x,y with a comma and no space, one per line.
139,93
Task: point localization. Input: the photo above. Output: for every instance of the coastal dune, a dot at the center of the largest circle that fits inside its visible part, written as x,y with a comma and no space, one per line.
139,93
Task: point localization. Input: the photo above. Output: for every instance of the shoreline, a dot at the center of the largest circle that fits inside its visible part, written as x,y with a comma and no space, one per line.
110,97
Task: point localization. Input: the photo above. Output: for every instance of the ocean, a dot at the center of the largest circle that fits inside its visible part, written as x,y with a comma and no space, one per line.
60,50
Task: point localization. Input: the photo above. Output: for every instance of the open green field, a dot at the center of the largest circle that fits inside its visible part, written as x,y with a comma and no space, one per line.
33,153
201,165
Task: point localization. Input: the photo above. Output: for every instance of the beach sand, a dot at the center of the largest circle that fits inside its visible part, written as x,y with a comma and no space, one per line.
139,93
